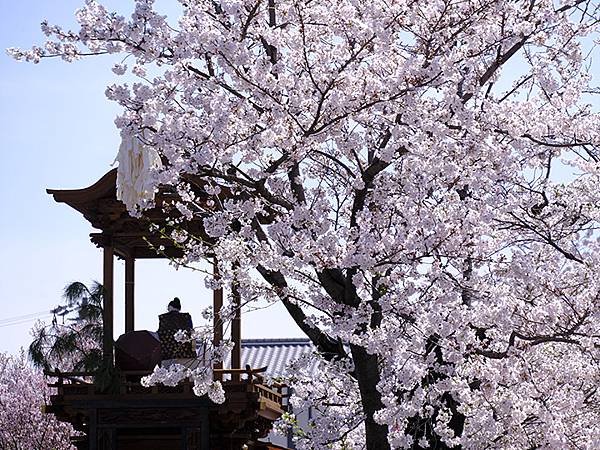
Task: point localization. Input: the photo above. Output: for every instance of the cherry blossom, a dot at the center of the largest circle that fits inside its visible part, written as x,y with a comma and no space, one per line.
416,182
23,395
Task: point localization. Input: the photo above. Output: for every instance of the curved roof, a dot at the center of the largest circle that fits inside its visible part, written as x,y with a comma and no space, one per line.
130,236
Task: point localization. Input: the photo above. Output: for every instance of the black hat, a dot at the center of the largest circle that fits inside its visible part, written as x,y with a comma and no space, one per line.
175,303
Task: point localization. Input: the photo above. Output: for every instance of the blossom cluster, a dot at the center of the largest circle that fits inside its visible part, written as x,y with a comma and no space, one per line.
23,423
198,371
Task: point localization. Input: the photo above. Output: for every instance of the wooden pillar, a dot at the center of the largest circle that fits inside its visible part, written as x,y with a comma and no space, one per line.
236,330
217,322
93,430
107,308
107,438
129,294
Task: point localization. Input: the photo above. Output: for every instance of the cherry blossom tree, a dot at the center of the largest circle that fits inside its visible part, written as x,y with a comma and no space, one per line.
69,342
23,424
416,182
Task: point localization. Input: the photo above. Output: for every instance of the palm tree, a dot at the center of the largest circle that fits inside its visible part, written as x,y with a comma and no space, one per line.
73,341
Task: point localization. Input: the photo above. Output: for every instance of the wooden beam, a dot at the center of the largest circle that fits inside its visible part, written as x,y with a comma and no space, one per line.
129,294
93,430
107,308
217,322
236,331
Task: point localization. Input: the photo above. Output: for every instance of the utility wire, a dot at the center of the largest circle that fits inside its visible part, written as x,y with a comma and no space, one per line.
24,316
16,320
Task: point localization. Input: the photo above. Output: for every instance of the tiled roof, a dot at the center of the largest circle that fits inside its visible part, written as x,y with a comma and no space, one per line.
276,354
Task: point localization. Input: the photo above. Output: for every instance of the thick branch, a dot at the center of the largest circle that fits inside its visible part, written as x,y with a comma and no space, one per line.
327,346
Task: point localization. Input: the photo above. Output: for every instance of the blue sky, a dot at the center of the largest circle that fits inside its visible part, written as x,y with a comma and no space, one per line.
57,131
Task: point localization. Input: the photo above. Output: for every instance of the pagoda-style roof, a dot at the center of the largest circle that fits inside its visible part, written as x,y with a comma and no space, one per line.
130,236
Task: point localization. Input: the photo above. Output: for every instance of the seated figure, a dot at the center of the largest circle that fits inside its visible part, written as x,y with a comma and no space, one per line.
173,351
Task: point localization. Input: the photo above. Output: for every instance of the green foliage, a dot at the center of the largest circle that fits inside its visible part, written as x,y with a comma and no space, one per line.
73,341
107,378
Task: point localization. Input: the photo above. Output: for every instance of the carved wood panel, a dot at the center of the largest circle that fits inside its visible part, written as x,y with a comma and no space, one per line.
106,439
151,416
195,439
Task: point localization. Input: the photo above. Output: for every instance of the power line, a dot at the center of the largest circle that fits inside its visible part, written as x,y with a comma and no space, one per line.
24,316
16,320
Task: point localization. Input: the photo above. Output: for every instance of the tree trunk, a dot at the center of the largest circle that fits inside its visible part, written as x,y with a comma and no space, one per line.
367,374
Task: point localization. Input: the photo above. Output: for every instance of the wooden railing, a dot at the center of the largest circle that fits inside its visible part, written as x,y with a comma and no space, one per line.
252,375
81,383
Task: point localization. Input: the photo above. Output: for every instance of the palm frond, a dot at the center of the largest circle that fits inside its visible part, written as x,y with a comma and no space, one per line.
36,351
75,292
97,294
76,342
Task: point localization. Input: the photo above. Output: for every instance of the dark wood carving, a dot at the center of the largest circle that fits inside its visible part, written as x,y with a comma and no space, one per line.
156,416
194,439
107,439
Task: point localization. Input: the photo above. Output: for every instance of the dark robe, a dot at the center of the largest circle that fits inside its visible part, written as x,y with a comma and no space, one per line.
168,324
